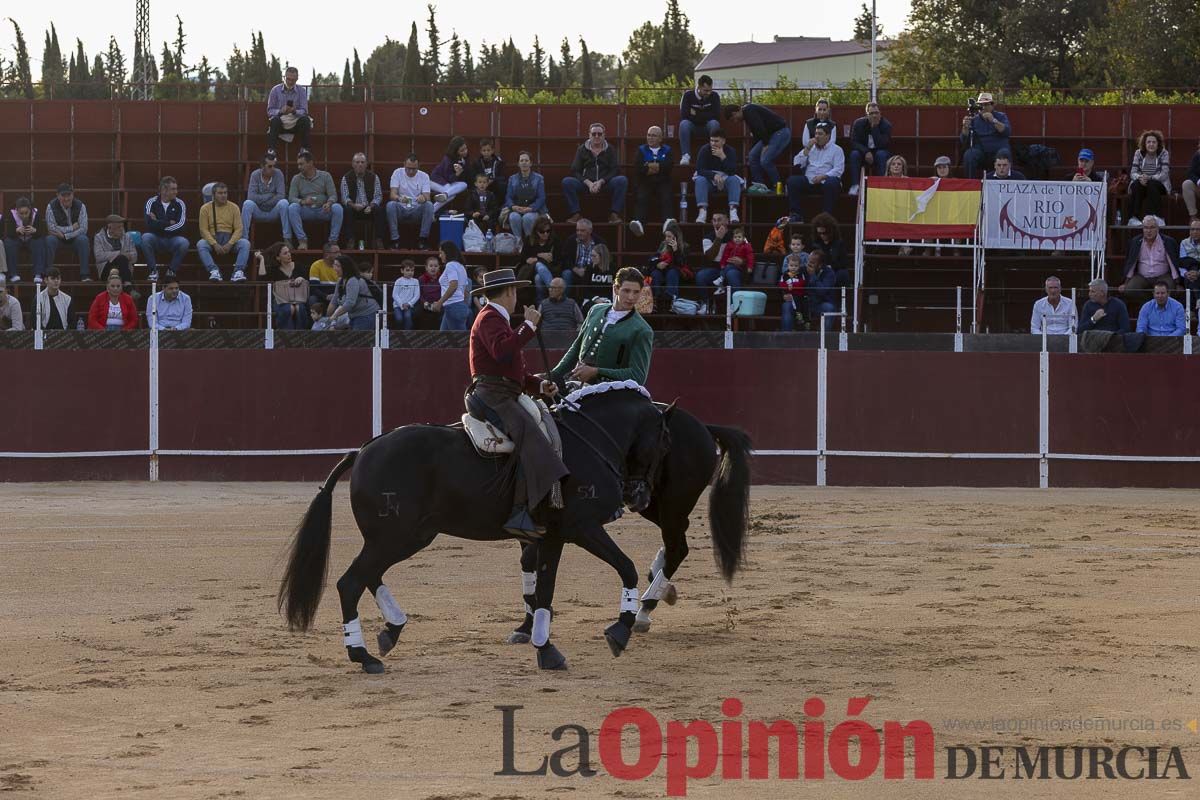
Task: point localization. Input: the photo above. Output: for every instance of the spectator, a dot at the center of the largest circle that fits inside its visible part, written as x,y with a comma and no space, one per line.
736,262
320,322
771,136
870,140
575,254
266,199
717,169
559,312
11,318
431,290
166,215
67,221
537,255
654,164
597,280
1190,182
716,242
942,167
113,248
796,248
221,232
699,107
792,284
1056,311
1003,170
897,167
449,178
171,308
821,166
367,270
1085,169
478,301
362,198
669,265
819,290
53,304
24,230
488,164
525,197
1152,257
1189,258
287,111
483,206
985,133
1162,316
454,283
410,192
1149,178
821,114
113,309
827,238
353,298
289,287
322,275
1103,313
595,167
406,294
311,196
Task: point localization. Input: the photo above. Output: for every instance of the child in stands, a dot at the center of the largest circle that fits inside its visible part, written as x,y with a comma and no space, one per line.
431,292
792,284
406,294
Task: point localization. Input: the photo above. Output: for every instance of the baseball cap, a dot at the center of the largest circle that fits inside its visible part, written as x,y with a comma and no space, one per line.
942,160
1088,154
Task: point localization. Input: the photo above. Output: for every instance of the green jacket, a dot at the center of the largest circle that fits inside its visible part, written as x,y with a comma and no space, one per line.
620,353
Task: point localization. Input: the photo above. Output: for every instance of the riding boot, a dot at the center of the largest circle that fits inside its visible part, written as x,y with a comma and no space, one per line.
521,522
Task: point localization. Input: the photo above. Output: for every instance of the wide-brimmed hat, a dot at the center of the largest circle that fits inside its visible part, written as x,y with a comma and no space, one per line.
985,97
112,218
499,279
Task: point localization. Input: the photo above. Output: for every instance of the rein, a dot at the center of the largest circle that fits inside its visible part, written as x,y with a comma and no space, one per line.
562,424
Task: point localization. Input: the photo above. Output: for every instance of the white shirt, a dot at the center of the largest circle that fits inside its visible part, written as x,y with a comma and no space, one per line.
454,271
827,160
613,316
410,187
1058,320
115,318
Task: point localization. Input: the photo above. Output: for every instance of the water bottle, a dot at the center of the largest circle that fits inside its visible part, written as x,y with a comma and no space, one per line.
1118,217
683,201
79,326
487,241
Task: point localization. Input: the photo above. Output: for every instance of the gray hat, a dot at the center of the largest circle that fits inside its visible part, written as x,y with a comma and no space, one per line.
940,160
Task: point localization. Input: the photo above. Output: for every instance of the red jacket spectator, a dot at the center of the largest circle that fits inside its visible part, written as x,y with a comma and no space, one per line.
794,286
743,250
98,315
431,290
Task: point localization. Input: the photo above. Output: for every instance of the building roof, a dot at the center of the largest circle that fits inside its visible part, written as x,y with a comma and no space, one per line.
784,49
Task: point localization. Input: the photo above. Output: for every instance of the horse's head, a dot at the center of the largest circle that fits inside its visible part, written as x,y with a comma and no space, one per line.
644,463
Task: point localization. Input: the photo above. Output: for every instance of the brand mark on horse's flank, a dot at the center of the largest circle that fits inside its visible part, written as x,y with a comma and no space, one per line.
390,506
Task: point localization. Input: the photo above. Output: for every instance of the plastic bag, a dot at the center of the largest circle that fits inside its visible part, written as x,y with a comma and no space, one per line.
506,244
473,238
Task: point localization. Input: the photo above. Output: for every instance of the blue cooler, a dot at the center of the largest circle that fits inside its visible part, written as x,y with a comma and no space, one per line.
450,229
749,304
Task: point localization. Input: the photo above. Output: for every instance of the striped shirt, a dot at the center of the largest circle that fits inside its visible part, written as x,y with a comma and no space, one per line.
1155,166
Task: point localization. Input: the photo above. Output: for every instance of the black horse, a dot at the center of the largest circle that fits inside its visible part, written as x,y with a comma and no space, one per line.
417,481
690,466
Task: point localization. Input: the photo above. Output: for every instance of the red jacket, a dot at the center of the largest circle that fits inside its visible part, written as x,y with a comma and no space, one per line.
98,315
745,251
496,349
793,286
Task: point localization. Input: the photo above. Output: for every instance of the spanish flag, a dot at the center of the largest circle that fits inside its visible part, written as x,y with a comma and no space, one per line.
922,208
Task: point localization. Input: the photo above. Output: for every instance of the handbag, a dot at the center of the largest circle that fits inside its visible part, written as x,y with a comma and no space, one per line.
506,244
286,294
688,308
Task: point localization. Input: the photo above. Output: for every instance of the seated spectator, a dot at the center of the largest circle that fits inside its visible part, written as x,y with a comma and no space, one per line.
1149,178
289,287
490,164
821,113
166,215
870,140
320,319
221,233
406,294
984,135
537,256
312,196
431,290
792,284
362,198
717,170
1189,258
734,266
171,309
596,281
1085,169
524,198
11,317
454,284
1003,170
1103,313
595,167
53,304
266,198
575,254
112,248
113,309
942,167
322,274
1162,316
771,136
796,247
714,244
352,297
819,283
828,239
410,201
821,166
559,312
897,167
654,163
24,230
669,266
287,111
449,178
1152,257
698,108
483,205
67,222
1190,182
1055,311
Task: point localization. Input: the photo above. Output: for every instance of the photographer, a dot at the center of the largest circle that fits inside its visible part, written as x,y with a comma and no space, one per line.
985,133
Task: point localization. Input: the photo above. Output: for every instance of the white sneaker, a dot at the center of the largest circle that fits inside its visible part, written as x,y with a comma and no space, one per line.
719,282
214,275
703,308
238,275
1134,222
702,217
733,215
440,197
153,276
15,279
685,160
636,227
854,190
37,279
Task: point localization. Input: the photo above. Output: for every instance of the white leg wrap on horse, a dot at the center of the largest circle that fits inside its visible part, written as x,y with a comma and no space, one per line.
657,587
629,599
541,627
352,633
392,612
659,562
528,582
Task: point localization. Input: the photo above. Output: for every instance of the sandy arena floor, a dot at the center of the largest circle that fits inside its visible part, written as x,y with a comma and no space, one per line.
142,656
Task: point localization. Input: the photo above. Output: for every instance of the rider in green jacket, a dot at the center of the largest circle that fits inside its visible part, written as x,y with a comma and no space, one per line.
614,342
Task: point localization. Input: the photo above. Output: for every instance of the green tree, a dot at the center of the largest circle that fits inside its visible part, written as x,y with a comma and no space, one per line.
79,78
586,80
536,68
433,56
516,66
643,54
357,76
54,69
100,85
1142,45
456,71
862,26
413,74
553,74
383,70
21,70
114,67
347,93
566,64
468,64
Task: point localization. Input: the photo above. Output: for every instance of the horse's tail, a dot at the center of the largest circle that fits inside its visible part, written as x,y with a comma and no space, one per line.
304,579
729,500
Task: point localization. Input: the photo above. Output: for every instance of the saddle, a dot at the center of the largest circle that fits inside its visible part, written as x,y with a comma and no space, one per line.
485,433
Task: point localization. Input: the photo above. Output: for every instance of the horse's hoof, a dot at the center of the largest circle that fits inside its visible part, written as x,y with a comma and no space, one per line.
671,596
548,657
388,637
642,624
370,664
518,637
617,636
373,667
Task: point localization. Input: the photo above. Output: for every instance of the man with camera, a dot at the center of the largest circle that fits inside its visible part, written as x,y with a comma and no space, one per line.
985,133
287,111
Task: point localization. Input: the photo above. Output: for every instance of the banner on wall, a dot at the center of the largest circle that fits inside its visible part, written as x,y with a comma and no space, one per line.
1043,215
921,208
